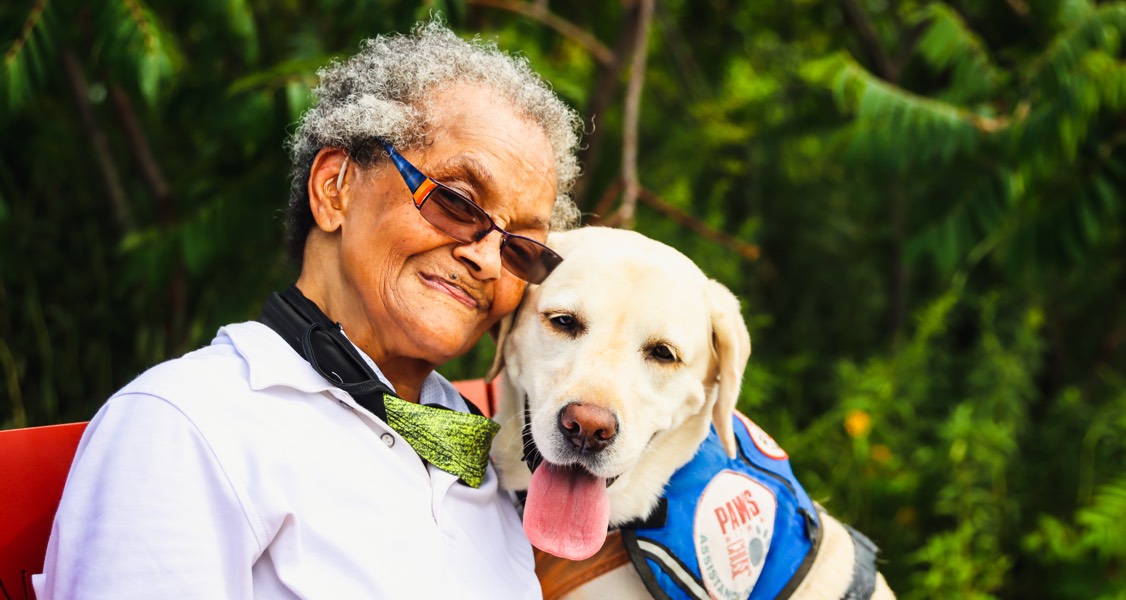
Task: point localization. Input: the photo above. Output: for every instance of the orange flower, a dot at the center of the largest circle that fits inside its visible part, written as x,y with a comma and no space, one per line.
857,423
881,453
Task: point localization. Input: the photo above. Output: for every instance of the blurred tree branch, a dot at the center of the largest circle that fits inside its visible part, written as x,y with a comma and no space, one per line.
1020,7
25,31
154,177
604,89
887,67
891,70
139,144
633,110
539,12
97,136
872,46
749,252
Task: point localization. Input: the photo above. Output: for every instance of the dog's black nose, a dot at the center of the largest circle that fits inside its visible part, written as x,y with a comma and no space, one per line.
589,428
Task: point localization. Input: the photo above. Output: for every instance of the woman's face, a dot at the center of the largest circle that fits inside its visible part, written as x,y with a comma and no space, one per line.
423,295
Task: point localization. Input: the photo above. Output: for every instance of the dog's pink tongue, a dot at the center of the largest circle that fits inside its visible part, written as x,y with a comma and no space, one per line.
566,512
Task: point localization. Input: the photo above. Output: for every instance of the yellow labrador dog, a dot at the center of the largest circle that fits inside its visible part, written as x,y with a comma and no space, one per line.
617,370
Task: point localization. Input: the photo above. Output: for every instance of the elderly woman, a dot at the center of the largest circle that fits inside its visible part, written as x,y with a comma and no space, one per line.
316,453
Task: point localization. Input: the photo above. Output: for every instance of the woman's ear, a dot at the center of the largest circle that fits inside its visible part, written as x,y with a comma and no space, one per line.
330,179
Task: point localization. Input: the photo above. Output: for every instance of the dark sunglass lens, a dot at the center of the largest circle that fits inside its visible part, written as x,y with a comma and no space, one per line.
455,215
528,260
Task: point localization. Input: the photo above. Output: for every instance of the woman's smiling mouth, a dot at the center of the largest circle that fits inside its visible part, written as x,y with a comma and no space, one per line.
455,291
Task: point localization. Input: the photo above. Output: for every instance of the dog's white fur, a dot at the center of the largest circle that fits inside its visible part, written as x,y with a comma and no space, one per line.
627,295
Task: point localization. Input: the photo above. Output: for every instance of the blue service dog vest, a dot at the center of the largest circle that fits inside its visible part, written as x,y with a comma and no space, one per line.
733,528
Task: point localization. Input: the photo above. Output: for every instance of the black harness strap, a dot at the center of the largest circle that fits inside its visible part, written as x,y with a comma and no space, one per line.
863,583
532,455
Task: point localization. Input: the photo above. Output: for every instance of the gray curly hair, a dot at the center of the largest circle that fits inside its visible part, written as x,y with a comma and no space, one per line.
384,93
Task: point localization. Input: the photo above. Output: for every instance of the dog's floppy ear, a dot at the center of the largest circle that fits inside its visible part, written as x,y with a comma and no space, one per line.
500,333
731,348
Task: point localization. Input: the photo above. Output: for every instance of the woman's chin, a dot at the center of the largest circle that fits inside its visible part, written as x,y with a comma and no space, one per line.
441,328
444,344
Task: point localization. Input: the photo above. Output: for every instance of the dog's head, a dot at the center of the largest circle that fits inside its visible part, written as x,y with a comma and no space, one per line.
624,356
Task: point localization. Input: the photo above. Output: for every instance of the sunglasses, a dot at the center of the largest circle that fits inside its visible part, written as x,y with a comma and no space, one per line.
464,220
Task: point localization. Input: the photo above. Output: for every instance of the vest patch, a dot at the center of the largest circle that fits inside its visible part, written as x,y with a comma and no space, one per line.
733,530
739,527
762,439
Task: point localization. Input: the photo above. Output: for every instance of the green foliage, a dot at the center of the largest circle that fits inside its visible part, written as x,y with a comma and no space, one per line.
1087,547
888,116
23,67
948,44
131,36
935,190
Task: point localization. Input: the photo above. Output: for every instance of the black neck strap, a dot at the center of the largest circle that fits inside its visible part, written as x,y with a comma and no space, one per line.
319,340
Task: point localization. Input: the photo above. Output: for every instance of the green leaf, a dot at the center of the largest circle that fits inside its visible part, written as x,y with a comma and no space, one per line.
135,43
299,97
1098,29
949,44
294,70
22,69
932,129
1089,221
1108,197
1072,12
240,17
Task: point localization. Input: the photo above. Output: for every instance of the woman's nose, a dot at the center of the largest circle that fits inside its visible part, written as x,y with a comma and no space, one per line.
483,256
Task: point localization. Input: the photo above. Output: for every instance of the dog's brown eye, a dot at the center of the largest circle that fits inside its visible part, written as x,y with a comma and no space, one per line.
565,323
662,353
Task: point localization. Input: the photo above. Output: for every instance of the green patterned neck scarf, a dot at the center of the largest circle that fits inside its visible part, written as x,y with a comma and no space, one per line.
455,442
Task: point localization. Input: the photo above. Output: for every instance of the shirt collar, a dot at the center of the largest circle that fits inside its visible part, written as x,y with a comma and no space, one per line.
436,390
272,362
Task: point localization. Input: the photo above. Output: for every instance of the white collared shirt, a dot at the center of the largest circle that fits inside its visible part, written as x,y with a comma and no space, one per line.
237,471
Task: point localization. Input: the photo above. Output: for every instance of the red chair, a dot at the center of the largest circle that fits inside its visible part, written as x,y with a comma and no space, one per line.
33,466
34,463
483,394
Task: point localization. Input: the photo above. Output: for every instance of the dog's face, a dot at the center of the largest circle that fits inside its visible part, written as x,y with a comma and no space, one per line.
624,356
